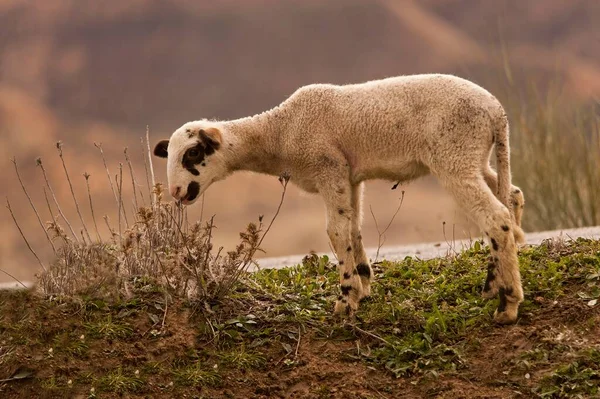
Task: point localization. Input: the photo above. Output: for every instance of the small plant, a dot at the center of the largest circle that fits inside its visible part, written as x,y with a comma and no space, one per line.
242,359
119,382
196,376
109,329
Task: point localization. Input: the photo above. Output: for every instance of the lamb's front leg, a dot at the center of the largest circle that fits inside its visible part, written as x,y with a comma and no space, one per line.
360,256
339,229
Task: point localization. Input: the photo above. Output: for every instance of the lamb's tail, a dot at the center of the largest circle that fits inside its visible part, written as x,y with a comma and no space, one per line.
503,161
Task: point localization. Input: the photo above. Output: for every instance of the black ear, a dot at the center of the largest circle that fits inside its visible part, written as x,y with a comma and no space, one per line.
160,150
211,138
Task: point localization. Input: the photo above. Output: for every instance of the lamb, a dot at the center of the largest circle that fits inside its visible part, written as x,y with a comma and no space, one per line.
330,139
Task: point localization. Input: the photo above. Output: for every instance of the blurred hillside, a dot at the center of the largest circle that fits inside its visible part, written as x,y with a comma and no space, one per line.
86,71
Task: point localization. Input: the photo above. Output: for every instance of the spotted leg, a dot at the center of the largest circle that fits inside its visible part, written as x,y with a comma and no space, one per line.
339,229
504,279
360,256
517,202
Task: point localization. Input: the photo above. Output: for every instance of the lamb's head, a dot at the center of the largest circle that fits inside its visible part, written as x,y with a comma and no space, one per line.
194,159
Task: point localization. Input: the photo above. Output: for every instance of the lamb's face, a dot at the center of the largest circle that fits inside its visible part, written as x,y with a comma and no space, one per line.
194,161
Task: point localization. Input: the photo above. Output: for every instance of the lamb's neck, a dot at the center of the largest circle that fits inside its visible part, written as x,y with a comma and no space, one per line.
253,143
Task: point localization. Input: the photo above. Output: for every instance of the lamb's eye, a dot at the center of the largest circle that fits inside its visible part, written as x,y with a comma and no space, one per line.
193,153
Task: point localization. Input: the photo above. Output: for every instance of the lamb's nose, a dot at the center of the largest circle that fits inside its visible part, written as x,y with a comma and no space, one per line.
175,192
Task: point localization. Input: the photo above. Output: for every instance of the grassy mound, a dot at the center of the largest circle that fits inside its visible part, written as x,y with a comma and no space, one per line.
425,332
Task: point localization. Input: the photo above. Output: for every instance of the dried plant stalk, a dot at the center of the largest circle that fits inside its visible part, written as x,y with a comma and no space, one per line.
87,183
60,212
14,161
60,154
133,181
149,152
23,235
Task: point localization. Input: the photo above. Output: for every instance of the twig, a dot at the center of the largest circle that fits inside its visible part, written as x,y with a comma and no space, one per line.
150,162
60,212
145,156
450,246
298,344
60,154
14,161
13,277
112,187
283,179
119,179
371,334
111,231
165,314
133,182
381,238
202,207
23,235
87,183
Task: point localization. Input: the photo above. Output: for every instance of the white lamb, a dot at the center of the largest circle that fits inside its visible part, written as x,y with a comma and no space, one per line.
330,139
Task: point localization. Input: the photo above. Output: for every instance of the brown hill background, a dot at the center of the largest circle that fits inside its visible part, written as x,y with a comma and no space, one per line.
86,71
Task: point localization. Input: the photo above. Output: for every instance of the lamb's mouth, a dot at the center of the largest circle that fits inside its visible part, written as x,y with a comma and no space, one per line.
192,193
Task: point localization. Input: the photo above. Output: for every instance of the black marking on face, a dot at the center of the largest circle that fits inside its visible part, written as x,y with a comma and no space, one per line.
503,301
364,270
494,244
349,249
346,289
192,157
505,227
341,262
517,191
192,191
197,154
347,275
341,211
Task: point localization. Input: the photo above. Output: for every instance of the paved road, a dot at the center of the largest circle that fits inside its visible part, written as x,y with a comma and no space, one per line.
423,251
436,249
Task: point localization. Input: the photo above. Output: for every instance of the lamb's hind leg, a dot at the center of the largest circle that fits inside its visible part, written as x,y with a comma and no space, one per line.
517,202
504,278
360,256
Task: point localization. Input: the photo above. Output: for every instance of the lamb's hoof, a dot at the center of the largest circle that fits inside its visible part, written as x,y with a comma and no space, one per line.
345,307
366,291
489,294
505,317
519,235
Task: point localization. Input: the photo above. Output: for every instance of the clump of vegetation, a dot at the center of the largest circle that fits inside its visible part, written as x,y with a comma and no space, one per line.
154,242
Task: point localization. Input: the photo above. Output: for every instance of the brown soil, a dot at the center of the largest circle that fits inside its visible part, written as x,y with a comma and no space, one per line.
320,368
